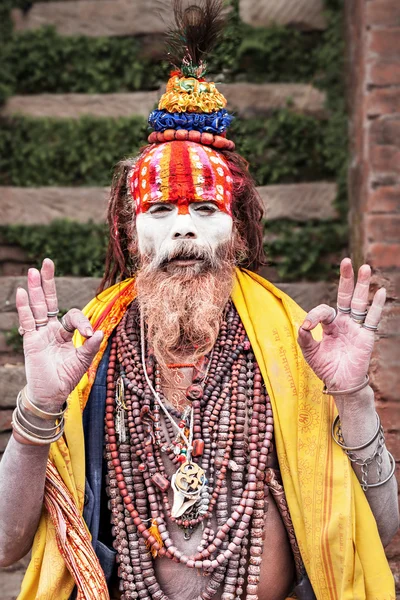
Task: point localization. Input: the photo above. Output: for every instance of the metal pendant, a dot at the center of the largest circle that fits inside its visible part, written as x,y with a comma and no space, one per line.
120,417
187,484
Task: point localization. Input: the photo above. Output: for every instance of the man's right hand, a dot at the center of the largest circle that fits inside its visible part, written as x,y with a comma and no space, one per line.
53,365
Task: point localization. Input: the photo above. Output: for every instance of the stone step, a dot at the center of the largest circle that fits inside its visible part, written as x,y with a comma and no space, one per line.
302,14
245,100
95,18
123,17
28,206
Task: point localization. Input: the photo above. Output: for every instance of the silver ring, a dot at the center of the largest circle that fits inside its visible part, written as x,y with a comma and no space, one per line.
66,326
22,331
370,327
53,313
346,311
41,322
334,316
358,316
359,313
358,321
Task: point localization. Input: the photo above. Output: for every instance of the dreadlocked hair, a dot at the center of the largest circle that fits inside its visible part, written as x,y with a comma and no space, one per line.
122,258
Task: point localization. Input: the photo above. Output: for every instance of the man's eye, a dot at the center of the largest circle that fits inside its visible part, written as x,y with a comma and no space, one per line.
206,208
160,208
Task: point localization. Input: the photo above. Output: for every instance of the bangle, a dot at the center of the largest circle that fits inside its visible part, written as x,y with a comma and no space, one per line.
30,436
365,463
339,442
38,412
392,470
35,429
346,392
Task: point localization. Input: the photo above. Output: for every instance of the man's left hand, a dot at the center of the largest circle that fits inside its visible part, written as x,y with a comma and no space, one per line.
342,357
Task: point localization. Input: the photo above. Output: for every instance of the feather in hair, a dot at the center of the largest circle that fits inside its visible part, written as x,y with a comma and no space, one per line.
198,28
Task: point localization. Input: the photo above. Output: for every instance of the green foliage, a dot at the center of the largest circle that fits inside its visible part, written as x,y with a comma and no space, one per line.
43,61
37,152
14,340
305,250
283,148
76,248
277,54
286,147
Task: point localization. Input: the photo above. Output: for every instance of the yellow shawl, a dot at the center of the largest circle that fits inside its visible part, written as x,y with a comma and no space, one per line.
335,528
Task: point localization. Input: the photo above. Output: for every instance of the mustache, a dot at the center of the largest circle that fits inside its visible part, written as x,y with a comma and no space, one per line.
190,251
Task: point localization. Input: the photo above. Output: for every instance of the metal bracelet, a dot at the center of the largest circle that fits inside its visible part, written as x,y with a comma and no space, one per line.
354,448
346,392
31,437
392,470
38,412
36,429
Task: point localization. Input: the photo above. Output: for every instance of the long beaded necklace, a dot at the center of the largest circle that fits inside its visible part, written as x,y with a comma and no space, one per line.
222,438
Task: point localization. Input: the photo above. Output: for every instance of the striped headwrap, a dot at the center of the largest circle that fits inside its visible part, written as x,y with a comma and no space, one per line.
180,172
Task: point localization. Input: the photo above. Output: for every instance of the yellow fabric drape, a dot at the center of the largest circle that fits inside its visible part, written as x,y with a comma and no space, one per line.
335,528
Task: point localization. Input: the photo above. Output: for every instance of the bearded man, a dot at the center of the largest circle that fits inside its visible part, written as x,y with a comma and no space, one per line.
185,374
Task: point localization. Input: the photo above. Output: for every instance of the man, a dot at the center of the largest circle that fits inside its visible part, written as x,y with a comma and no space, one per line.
192,367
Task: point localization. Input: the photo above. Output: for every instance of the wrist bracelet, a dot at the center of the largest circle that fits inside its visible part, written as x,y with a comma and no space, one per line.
35,429
365,463
346,392
38,412
31,437
354,448
392,470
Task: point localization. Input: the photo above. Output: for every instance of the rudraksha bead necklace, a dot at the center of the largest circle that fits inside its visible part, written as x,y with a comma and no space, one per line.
228,426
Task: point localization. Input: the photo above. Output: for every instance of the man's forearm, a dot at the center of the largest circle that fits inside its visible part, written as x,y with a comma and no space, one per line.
22,480
358,424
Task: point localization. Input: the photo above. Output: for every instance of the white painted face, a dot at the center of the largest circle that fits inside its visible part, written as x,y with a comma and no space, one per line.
162,226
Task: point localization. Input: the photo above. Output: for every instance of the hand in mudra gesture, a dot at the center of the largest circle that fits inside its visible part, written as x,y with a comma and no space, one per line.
53,365
342,357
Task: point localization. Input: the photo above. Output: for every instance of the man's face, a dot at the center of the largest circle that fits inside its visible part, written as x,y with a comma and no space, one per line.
165,228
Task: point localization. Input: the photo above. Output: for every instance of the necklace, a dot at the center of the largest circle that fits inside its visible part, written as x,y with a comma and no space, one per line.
228,430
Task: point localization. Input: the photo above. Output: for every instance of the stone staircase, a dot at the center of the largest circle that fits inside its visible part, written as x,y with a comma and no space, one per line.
42,205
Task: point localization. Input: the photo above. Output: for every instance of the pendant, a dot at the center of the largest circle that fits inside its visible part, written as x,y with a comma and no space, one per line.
187,484
120,422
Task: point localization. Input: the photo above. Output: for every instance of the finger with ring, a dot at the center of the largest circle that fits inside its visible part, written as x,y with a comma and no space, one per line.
323,314
359,301
358,316
345,311
41,322
66,325
375,311
26,320
22,331
53,313
334,315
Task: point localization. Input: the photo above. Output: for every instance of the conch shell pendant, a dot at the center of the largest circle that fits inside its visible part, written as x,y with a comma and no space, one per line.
187,484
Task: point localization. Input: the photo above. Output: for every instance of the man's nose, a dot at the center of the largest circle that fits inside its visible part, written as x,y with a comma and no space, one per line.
184,228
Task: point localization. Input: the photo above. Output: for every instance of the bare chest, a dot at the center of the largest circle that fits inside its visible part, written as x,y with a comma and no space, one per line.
277,566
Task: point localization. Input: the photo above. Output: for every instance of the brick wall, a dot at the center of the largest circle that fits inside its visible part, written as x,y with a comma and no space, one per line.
373,30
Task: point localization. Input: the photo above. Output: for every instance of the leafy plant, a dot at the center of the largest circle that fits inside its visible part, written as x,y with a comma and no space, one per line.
285,147
76,248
